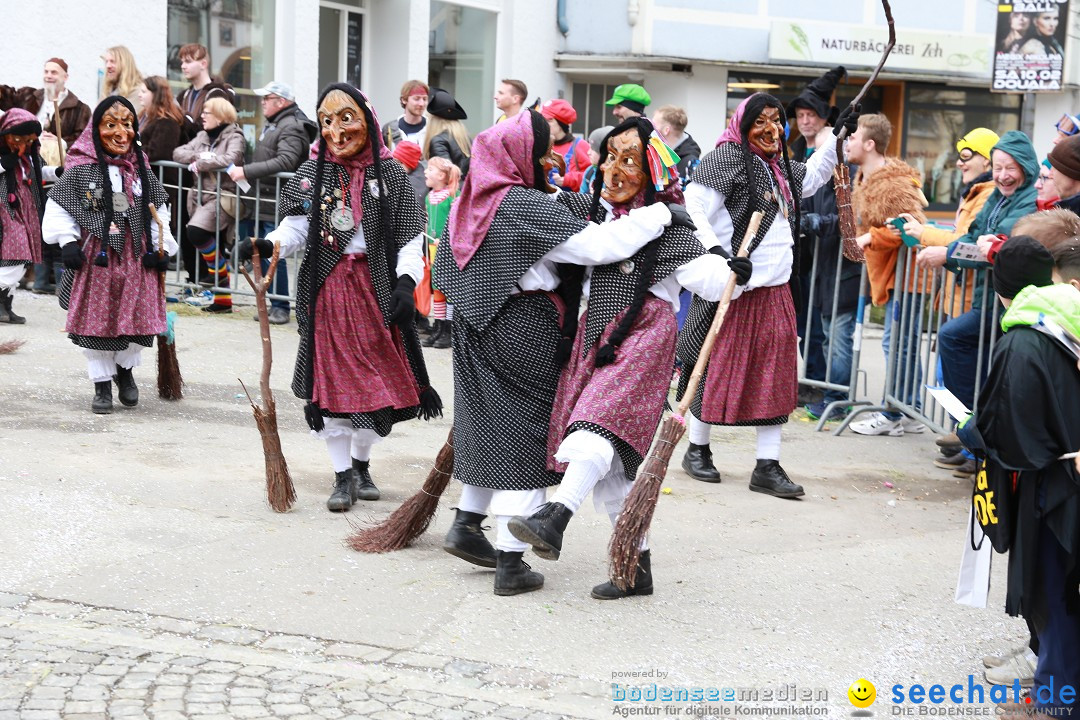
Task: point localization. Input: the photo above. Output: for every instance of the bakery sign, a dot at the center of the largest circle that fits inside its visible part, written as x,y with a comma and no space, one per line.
816,43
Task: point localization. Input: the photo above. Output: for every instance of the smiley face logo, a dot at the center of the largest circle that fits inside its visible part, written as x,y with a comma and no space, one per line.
862,693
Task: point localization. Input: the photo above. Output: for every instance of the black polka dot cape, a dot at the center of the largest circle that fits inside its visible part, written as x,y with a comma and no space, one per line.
505,372
304,195
724,170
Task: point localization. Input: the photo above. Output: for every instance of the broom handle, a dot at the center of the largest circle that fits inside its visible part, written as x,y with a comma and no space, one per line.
161,242
59,137
718,320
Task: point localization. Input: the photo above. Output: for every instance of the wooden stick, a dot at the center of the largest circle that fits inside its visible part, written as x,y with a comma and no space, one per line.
718,320
56,124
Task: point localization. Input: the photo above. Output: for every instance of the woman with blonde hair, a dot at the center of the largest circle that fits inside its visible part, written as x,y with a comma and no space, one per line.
446,135
122,77
213,206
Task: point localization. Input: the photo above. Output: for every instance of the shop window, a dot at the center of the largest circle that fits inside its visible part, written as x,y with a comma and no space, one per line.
935,118
461,59
240,37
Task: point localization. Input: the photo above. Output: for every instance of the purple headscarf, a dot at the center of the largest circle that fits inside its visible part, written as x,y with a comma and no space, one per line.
502,158
732,134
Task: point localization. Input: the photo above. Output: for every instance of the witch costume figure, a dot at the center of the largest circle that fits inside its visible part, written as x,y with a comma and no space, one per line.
751,378
359,364
611,394
506,238
22,200
99,214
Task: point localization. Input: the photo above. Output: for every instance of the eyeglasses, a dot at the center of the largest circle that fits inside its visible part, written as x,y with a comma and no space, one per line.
1068,125
966,155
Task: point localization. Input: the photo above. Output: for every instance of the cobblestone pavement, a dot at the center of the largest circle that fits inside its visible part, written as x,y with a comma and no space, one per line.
78,662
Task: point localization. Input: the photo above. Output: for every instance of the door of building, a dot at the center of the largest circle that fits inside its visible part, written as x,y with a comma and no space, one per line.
342,28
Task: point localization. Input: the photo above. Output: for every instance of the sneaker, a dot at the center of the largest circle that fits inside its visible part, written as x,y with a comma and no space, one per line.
816,410
966,471
201,299
278,316
1003,657
1019,667
950,462
912,426
878,424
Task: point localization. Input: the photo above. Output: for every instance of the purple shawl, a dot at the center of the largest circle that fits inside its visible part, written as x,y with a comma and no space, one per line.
732,134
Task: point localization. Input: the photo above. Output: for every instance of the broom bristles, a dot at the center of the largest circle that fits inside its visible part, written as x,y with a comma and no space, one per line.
10,346
412,519
170,382
280,491
640,506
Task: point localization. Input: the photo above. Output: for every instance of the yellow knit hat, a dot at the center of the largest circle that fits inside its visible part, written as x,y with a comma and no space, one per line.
980,140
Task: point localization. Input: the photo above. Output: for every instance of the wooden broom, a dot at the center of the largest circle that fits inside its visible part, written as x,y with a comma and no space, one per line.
169,381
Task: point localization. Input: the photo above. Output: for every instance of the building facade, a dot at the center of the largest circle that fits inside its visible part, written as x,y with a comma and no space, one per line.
703,55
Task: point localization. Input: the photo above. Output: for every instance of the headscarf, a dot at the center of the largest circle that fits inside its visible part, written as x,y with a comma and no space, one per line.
502,159
358,164
22,181
733,134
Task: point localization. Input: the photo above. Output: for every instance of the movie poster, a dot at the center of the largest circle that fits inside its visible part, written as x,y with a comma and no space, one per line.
1029,50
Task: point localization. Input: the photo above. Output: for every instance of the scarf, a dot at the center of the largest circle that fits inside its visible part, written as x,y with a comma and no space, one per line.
502,159
732,134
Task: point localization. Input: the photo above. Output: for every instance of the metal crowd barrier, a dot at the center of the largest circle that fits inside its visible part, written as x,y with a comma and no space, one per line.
920,309
847,386
256,208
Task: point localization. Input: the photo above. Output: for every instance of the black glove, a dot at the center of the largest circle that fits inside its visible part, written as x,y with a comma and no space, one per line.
266,249
679,216
72,255
809,223
743,269
59,170
9,161
402,304
849,119
152,261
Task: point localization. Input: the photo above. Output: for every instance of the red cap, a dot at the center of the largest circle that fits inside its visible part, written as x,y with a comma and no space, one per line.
408,154
559,110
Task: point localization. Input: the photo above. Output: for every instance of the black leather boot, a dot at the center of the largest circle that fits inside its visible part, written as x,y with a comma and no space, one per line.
429,339
422,325
102,404
126,389
770,478
466,540
8,315
442,340
513,575
698,464
543,529
342,498
363,488
642,582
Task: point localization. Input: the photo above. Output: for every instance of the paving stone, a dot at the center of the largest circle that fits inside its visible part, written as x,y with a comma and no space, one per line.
61,681
464,668
245,701
169,692
512,713
517,677
39,703
429,662
44,691
9,600
89,692
40,715
129,693
172,679
175,705
282,698
54,609
448,714
321,699
244,681
172,625
390,715
194,696
88,706
365,707
415,707
230,634
291,643
315,680
285,710
188,661
247,711
256,692
205,708
170,715
330,713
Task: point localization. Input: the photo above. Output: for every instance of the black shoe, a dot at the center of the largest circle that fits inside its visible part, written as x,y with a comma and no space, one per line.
513,575
698,464
466,540
102,404
543,529
217,309
950,462
442,339
126,388
342,498
770,478
642,582
422,325
7,315
429,339
363,488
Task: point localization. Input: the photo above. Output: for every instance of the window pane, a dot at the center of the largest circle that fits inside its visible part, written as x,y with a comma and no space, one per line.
937,95
588,100
931,137
461,59
329,42
240,37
